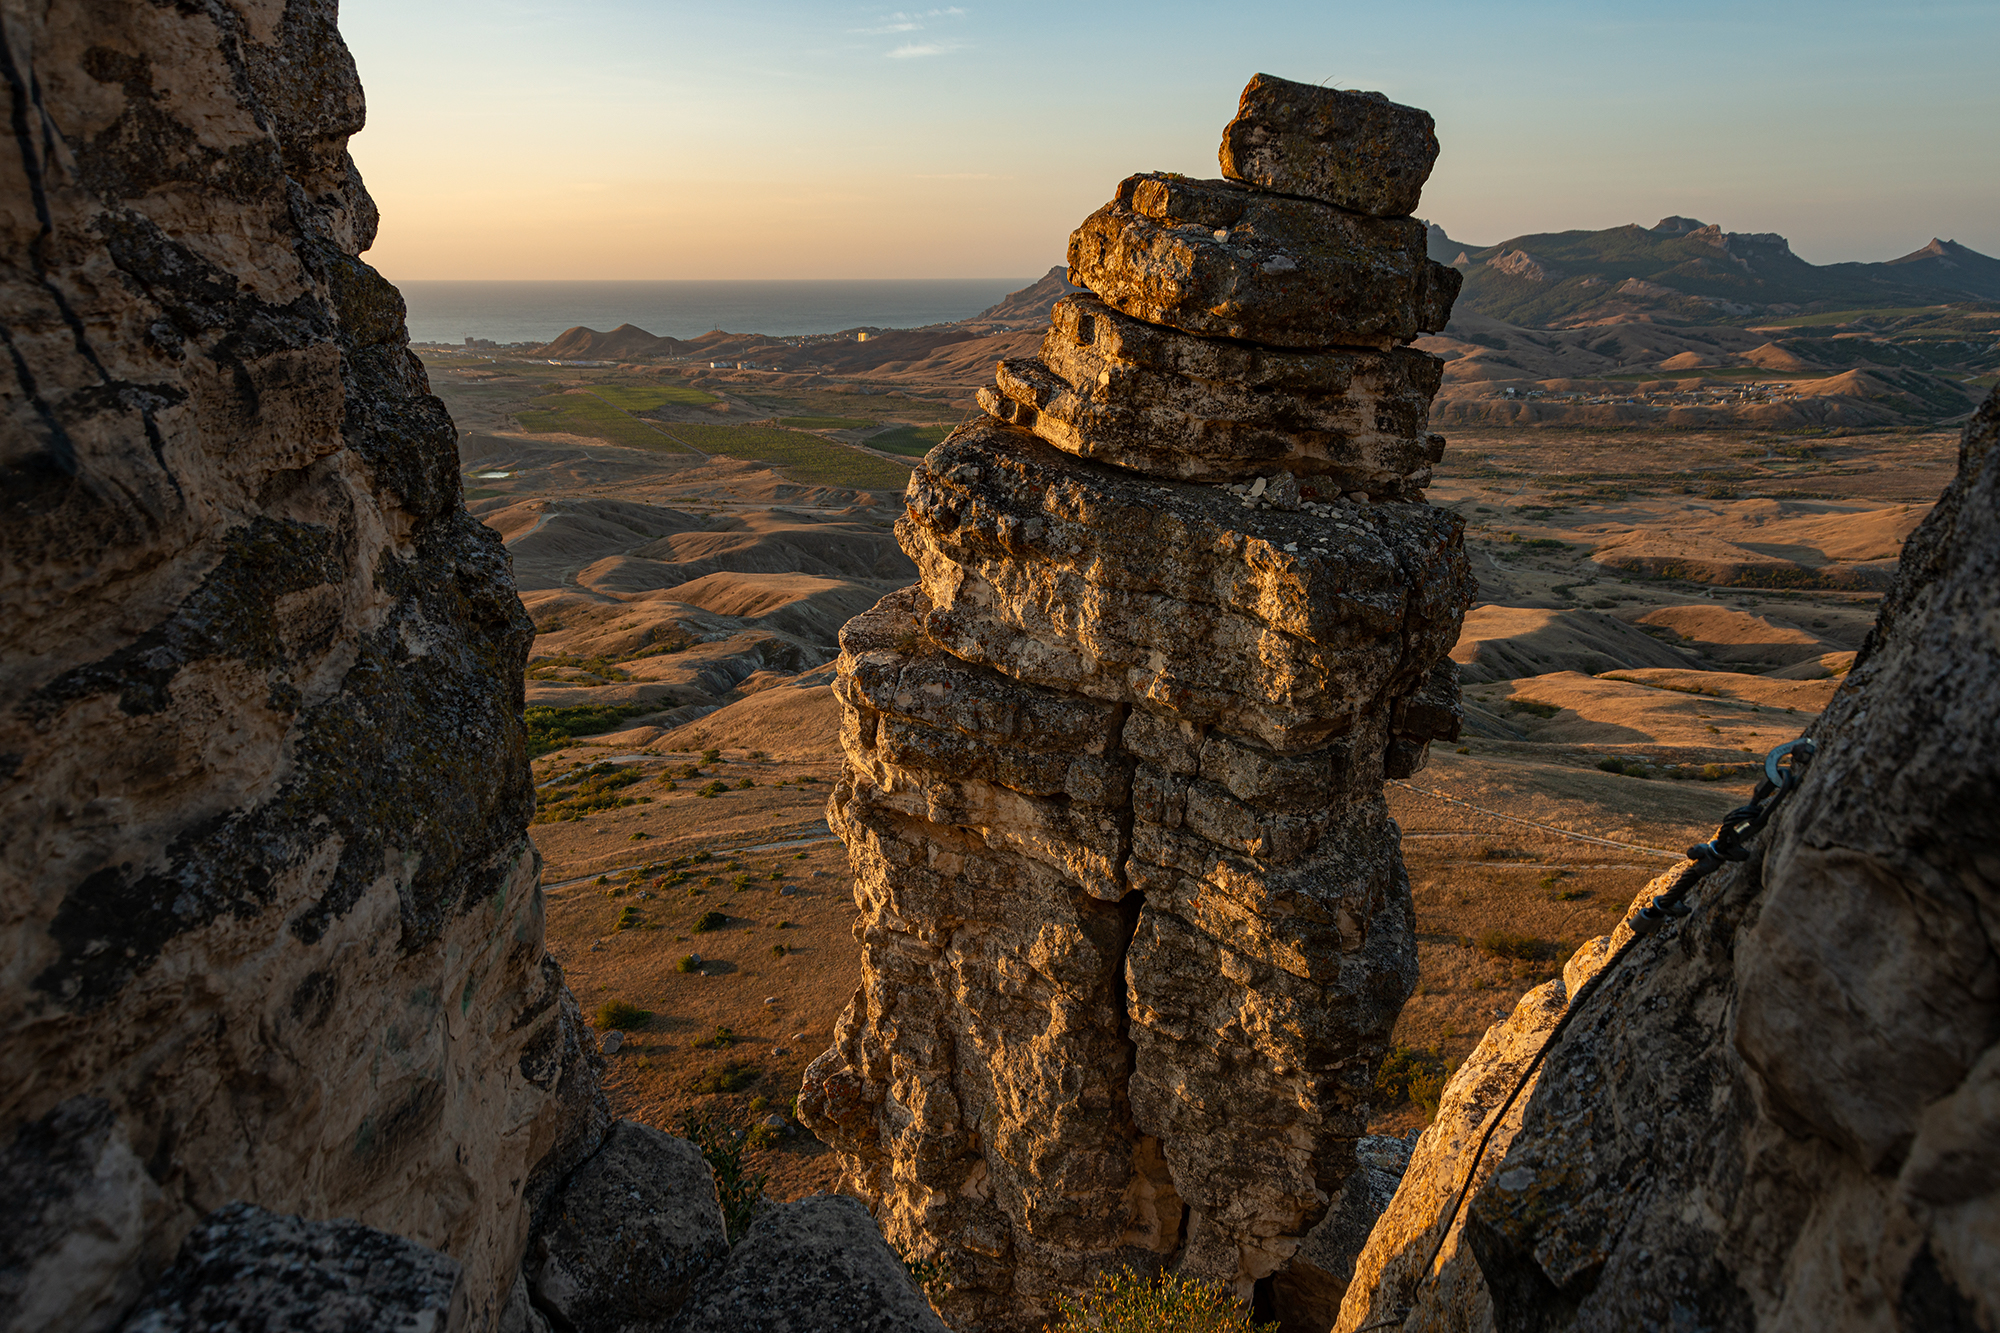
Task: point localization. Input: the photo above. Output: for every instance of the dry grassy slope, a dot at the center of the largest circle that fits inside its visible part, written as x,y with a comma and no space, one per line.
623,550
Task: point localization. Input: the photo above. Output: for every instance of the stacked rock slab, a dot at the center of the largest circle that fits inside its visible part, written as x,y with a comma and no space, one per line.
1134,919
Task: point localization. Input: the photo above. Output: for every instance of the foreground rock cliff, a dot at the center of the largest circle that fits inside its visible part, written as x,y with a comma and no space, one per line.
1784,1111
272,926
1135,921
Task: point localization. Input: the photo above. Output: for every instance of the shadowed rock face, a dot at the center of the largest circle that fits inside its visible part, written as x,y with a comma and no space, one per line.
1135,925
1779,1113
272,924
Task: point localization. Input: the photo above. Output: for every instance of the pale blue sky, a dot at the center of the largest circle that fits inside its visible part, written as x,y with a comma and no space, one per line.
620,139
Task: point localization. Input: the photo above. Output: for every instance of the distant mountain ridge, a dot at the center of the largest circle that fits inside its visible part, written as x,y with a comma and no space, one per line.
1687,269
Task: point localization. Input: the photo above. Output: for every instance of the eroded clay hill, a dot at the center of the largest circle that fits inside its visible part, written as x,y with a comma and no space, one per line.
1135,922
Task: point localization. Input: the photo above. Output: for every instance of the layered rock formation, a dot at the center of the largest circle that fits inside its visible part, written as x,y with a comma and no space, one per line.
1783,1112
271,923
1135,924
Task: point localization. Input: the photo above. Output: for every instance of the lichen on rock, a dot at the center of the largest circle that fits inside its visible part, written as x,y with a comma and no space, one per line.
273,924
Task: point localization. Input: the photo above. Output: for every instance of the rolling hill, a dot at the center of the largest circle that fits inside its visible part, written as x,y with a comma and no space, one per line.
1684,268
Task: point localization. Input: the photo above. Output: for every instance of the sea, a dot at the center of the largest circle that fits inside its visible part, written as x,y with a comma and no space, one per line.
513,312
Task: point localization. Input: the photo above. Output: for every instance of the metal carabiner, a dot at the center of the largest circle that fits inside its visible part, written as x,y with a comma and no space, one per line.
1786,777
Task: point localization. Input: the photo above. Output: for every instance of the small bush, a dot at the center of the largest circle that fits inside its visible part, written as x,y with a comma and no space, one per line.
1506,944
628,918
710,921
1124,1302
670,784
777,951
759,1102
1413,1074
618,1014
731,1076
763,1136
710,756
723,1039
1612,765
1531,707
746,784
739,1192
713,789
687,964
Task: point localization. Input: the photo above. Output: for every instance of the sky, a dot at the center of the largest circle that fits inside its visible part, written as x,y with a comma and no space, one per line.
605,139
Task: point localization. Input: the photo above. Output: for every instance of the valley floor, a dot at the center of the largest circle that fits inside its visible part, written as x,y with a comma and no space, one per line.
1656,611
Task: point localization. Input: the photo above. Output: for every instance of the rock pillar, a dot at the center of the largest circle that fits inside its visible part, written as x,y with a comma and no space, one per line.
1135,922
271,922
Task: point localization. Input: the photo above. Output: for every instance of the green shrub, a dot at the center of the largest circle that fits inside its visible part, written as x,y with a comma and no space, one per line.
687,964
723,1039
713,789
763,1136
619,1014
1506,944
552,728
710,756
582,792
746,784
1531,707
710,921
1124,1302
1612,765
1413,1074
777,951
739,1192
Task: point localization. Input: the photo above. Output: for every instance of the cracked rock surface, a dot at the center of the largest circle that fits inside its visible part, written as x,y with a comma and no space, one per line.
1135,925
272,923
1779,1112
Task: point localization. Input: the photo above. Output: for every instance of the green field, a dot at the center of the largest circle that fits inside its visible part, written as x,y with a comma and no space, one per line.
637,398
824,423
1849,316
808,458
587,414
910,441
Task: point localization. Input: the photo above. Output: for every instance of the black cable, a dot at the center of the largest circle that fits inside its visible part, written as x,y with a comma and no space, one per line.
1737,826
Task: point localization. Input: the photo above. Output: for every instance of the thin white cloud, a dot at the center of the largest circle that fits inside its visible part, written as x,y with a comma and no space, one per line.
912,50
910,20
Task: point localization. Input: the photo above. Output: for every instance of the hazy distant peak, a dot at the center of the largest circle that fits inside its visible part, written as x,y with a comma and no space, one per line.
1945,252
1033,302
1677,226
